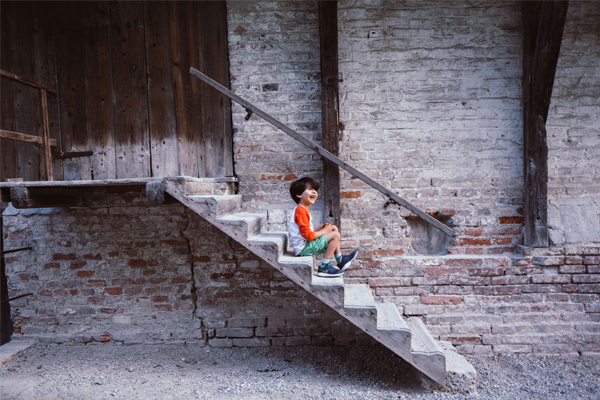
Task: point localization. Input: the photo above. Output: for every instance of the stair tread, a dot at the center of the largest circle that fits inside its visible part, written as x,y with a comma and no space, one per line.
422,341
358,296
389,318
321,281
290,258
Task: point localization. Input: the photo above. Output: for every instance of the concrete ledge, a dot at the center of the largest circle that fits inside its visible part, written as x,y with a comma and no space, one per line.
13,348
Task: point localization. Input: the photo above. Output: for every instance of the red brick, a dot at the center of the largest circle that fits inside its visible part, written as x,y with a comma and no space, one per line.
97,282
593,269
201,259
504,231
60,292
96,300
548,278
388,253
77,264
113,253
113,291
120,282
126,245
503,240
557,297
138,263
131,253
290,177
474,250
160,299
473,231
472,241
444,271
149,272
510,280
180,279
571,269
143,244
92,257
132,290
26,277
161,307
586,278
52,265
155,281
389,282
371,264
485,271
182,306
573,260
506,290
589,260
464,339
175,243
569,288
440,300
137,281
511,220
350,195
463,262
153,263
87,292
85,274
61,256
73,292
271,177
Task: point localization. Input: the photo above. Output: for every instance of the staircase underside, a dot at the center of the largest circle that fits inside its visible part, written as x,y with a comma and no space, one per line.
214,200
355,302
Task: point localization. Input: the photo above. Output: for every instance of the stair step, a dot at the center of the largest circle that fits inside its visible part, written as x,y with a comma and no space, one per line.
250,223
389,318
422,341
219,204
327,282
357,296
301,266
267,240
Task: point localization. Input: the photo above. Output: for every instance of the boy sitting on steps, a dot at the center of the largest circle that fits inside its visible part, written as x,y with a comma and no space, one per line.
309,242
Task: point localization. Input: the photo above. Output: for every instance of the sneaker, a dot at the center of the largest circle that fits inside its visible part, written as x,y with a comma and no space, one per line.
328,271
347,260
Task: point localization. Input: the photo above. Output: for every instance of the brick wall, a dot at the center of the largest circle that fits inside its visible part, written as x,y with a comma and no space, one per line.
151,274
274,64
573,133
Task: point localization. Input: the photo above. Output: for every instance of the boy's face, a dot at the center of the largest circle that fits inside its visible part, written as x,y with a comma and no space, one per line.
308,197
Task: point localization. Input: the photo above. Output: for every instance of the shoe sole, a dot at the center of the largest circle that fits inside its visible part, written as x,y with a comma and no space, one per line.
349,262
326,275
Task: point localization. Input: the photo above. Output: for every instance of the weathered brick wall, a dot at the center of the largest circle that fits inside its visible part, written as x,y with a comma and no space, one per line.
274,64
152,274
573,130
430,100
546,301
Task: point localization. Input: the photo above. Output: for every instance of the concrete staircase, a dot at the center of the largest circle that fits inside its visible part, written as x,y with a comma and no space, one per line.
408,339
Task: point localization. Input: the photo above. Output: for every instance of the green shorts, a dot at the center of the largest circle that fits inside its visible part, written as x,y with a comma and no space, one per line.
315,247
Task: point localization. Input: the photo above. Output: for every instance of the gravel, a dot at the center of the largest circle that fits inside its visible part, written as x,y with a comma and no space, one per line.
107,371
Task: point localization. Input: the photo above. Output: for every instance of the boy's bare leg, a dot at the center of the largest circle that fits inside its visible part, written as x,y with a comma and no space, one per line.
334,244
338,249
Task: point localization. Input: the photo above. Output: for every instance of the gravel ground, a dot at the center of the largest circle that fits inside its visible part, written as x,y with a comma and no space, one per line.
108,371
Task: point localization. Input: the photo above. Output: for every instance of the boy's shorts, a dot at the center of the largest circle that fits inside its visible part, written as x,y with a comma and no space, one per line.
315,247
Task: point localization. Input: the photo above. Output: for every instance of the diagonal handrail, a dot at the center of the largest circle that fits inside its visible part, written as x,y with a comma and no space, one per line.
322,152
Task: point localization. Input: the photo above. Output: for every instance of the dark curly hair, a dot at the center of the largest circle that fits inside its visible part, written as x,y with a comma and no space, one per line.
299,186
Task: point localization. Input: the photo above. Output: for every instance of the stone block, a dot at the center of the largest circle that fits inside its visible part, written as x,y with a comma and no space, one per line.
220,342
252,342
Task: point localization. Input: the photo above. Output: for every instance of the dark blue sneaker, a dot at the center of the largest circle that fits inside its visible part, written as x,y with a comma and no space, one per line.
347,260
328,271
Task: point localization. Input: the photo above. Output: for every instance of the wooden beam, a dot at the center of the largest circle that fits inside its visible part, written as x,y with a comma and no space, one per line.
322,152
22,137
543,25
25,81
31,197
328,34
46,158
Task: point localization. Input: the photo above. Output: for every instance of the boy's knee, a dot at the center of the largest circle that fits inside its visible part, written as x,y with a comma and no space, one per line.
337,234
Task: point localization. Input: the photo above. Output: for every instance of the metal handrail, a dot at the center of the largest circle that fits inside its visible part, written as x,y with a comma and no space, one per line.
322,152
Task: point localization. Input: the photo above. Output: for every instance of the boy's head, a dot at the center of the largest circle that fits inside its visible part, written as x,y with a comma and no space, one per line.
299,186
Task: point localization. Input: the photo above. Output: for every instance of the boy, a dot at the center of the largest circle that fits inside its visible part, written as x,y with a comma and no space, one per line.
309,242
